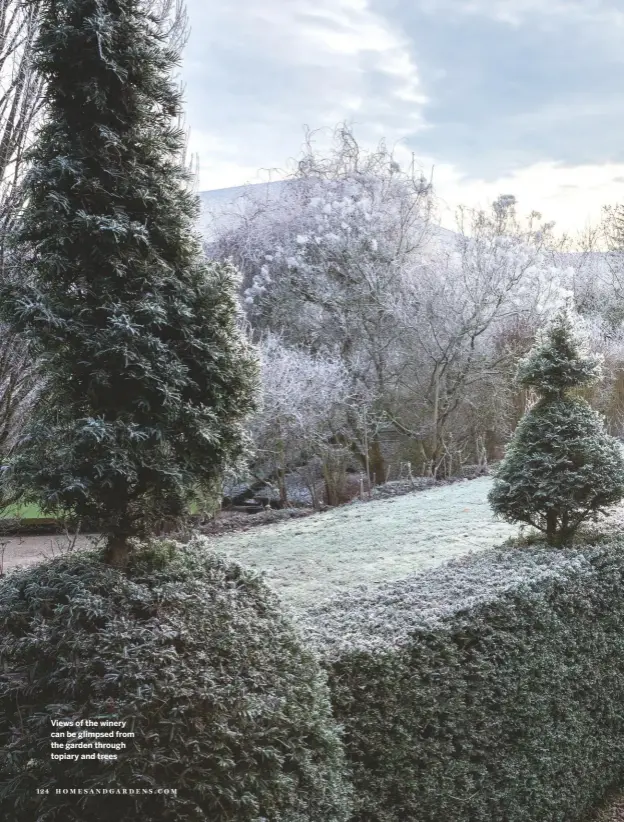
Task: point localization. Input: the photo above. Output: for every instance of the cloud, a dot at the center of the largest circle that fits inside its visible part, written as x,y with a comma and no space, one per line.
506,97
256,71
572,196
503,96
534,12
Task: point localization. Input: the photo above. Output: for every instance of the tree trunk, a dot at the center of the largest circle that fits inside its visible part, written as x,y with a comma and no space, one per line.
551,527
330,488
281,473
367,452
377,464
117,550
334,476
567,531
281,484
435,424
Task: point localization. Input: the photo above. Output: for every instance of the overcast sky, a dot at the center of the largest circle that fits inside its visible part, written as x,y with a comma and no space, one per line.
522,97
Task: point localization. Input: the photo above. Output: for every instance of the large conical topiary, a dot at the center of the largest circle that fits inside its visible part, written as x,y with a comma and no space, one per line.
148,377
561,467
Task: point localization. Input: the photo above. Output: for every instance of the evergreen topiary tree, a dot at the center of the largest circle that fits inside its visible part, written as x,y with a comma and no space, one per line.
560,467
148,376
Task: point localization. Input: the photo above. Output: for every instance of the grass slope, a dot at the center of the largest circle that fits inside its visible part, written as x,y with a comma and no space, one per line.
21,512
33,512
311,559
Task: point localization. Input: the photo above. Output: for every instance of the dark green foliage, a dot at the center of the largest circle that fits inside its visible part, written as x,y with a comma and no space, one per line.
559,362
226,703
508,709
560,463
148,376
38,526
561,467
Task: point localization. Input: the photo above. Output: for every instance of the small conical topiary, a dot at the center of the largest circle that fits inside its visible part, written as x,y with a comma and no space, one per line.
561,467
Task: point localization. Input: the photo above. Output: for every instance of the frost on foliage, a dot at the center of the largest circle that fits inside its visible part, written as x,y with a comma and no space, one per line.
515,269
561,360
316,227
303,403
196,652
148,377
561,467
360,271
385,616
365,544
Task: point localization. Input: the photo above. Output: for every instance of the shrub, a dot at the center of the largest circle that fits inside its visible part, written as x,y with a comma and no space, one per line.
227,705
561,467
488,689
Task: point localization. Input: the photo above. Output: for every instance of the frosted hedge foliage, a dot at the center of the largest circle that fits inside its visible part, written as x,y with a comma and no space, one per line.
486,689
227,704
383,617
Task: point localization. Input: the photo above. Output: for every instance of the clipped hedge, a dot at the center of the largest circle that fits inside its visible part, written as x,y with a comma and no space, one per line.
489,689
227,705
13,526
41,526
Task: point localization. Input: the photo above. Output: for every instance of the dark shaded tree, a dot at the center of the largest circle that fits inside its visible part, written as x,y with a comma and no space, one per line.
148,374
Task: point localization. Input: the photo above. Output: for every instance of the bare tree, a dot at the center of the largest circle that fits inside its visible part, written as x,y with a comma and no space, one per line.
21,106
346,261
451,315
21,103
304,402
322,262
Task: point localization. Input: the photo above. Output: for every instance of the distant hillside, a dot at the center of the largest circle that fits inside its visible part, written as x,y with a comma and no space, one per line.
218,203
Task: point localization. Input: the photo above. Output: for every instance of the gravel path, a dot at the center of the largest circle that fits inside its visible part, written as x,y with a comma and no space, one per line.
16,551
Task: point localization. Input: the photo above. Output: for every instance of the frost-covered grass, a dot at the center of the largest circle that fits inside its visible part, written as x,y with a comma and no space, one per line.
312,559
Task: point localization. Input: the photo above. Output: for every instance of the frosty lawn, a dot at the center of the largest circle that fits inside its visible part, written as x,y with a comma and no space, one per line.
311,559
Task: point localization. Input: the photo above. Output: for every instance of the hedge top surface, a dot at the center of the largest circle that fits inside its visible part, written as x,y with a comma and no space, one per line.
382,618
508,709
